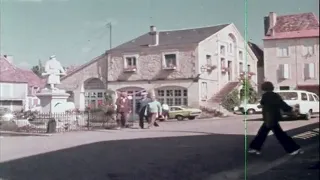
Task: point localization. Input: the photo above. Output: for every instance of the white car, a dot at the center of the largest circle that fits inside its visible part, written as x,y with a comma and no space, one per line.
306,103
249,108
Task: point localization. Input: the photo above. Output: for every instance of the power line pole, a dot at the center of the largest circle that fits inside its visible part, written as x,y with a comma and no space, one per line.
109,25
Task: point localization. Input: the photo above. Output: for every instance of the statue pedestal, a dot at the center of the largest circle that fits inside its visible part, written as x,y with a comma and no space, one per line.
52,101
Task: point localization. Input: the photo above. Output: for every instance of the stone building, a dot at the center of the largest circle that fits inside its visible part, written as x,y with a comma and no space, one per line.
184,67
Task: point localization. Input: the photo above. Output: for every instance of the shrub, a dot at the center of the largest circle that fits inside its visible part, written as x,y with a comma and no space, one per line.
231,100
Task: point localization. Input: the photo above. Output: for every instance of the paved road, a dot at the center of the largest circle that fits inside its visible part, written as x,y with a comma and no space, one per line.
192,150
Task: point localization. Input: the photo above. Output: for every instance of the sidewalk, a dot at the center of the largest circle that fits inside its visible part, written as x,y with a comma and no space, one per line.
304,166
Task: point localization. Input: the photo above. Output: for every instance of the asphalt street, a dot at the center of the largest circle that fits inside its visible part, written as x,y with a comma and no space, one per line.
189,150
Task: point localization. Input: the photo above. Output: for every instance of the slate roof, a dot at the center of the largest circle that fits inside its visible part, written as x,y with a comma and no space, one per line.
172,38
258,53
167,40
296,25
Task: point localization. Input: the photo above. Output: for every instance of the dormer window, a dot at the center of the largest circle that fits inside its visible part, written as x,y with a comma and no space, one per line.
170,61
130,63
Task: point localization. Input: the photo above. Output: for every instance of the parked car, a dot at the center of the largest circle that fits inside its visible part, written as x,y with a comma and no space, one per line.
305,103
250,108
182,112
6,114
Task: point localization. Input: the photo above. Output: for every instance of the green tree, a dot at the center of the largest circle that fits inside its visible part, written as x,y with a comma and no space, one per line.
38,69
247,92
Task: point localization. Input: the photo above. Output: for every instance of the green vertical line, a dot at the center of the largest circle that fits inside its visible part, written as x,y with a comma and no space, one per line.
245,84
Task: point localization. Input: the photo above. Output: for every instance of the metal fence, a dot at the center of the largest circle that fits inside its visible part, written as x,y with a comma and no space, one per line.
62,122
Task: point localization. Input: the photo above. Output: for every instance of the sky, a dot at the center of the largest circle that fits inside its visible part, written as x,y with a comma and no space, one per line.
75,30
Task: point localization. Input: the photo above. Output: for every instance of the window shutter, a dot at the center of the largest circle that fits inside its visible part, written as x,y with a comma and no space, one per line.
304,51
286,71
306,71
280,72
311,69
279,52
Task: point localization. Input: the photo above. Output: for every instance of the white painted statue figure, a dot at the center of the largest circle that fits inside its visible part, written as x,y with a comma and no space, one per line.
53,69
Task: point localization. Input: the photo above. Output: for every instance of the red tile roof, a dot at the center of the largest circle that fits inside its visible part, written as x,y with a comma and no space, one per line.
296,26
32,78
10,73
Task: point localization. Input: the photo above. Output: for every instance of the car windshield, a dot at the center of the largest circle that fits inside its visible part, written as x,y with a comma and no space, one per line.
183,106
289,95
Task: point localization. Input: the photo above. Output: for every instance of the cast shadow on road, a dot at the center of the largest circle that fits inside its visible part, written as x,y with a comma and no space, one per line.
171,158
284,119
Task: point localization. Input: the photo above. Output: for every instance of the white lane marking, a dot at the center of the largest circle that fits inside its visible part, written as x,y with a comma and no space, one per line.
308,134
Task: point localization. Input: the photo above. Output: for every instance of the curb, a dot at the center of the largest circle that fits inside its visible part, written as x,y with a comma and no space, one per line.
11,133
255,169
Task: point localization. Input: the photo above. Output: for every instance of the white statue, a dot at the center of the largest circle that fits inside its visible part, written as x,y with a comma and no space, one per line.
53,70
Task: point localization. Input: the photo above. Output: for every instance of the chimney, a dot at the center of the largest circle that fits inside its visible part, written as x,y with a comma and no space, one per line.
9,58
272,23
154,36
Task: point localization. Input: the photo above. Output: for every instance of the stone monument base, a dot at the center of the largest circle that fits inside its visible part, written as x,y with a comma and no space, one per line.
53,101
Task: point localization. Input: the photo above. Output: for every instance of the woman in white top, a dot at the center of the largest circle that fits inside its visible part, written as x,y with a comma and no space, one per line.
165,111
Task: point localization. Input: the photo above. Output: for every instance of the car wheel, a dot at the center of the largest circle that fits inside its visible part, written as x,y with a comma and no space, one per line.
251,111
179,118
308,115
191,117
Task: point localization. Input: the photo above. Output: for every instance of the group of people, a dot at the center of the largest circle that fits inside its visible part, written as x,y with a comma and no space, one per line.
149,109
272,104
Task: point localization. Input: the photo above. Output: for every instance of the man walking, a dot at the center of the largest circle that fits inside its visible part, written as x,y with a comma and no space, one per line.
143,104
123,110
272,104
154,110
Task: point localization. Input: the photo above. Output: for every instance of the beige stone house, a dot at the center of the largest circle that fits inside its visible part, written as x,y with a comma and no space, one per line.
291,51
184,67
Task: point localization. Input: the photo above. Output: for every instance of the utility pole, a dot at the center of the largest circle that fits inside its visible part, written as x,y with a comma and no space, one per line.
109,25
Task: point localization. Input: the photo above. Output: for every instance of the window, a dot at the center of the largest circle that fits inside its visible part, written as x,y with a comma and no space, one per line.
311,97
160,92
173,96
304,97
289,95
170,101
240,55
249,68
170,61
223,62
204,91
283,51
131,62
177,92
309,71
209,61
308,49
169,92
100,94
230,48
241,67
284,71
222,50
284,88
316,98
177,101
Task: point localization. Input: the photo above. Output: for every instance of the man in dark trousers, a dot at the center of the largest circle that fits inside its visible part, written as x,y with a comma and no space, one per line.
123,110
143,104
272,104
